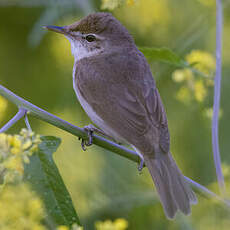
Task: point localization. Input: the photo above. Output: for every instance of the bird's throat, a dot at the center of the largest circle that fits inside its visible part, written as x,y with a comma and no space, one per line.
79,51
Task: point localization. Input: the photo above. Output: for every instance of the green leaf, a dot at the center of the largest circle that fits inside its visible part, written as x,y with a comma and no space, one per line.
163,55
43,175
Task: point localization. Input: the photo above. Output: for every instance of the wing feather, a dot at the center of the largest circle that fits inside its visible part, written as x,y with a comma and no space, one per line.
126,99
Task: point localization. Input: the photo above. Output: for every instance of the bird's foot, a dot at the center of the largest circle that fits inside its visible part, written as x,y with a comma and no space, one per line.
89,129
141,159
141,164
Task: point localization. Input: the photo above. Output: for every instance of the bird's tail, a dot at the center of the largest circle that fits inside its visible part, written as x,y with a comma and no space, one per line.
174,191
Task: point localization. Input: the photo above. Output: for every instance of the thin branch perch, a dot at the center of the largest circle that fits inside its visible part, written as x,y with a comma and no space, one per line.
216,104
27,122
97,140
20,114
62,124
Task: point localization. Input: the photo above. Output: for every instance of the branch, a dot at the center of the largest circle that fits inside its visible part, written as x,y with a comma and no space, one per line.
203,191
216,104
97,140
62,124
27,123
20,114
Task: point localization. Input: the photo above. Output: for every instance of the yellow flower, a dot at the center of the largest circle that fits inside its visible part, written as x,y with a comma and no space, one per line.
36,205
62,227
76,227
16,142
200,91
203,61
121,224
203,66
178,75
184,95
11,177
110,4
208,112
20,209
118,224
14,163
27,144
14,152
226,169
106,225
2,137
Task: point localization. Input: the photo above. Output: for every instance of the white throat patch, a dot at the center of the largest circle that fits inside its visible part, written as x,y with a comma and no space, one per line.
79,51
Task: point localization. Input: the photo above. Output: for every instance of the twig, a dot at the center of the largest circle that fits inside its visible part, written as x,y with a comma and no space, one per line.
27,122
216,104
20,114
203,191
97,140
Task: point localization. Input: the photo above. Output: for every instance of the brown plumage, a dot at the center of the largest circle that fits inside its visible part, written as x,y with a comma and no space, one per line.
101,23
131,106
114,84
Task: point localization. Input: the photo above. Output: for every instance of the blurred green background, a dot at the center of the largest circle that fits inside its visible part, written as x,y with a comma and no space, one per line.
38,66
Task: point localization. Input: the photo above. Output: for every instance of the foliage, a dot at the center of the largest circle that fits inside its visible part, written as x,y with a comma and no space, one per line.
28,158
195,81
32,191
15,150
45,179
163,55
21,208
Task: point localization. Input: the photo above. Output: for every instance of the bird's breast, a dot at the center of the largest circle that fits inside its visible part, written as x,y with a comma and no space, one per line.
91,113
85,105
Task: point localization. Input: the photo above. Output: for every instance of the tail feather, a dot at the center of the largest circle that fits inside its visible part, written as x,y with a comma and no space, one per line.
174,191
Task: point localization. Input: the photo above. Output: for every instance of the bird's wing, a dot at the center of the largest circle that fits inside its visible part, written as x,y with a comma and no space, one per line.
129,105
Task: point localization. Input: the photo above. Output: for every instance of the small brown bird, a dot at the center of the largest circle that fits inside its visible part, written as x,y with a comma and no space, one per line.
115,87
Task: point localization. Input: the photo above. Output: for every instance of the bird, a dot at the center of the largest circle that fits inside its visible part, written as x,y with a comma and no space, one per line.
114,85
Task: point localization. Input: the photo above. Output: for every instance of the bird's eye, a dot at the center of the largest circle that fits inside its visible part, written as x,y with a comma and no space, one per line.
90,38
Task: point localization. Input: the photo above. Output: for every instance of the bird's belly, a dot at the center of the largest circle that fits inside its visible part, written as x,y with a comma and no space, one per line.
94,116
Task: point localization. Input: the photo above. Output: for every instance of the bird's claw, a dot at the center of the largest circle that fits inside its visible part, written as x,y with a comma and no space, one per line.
82,143
141,165
88,142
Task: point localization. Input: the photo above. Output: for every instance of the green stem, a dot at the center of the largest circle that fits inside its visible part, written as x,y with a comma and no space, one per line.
97,140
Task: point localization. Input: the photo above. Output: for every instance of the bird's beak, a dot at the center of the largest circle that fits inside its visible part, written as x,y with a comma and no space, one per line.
57,29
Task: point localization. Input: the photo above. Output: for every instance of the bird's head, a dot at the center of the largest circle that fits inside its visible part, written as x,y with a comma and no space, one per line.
94,34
